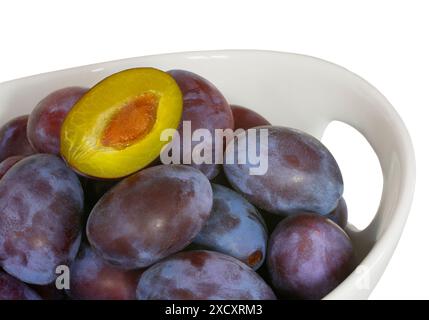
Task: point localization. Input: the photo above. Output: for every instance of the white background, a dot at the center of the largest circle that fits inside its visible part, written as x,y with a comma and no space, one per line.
385,42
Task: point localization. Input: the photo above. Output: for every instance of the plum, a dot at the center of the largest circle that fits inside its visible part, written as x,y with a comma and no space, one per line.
202,275
308,256
115,129
46,119
301,175
206,108
245,118
8,163
150,215
92,278
13,139
41,203
235,228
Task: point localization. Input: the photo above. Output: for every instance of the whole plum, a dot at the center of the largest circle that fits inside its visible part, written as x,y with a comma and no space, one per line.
41,203
308,256
204,107
92,278
301,175
46,119
202,275
245,118
150,215
13,139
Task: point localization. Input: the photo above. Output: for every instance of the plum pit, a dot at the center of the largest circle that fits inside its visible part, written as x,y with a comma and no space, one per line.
132,122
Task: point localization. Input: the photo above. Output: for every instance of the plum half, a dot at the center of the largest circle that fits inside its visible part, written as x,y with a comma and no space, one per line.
114,129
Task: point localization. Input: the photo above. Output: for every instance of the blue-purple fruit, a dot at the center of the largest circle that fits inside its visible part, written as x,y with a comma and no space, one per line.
150,215
13,138
202,275
204,107
46,119
92,278
13,289
308,256
235,228
41,203
302,175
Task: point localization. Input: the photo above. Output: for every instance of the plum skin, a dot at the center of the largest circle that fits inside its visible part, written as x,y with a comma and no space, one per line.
302,174
13,139
41,203
235,228
92,278
8,163
46,119
245,118
205,107
202,275
150,215
13,289
308,256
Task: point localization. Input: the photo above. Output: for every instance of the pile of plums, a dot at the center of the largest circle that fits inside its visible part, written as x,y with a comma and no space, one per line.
70,195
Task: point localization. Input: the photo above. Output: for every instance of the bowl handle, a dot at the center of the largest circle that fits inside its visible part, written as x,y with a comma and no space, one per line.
373,116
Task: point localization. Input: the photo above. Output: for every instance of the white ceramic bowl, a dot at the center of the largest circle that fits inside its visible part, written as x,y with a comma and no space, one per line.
292,90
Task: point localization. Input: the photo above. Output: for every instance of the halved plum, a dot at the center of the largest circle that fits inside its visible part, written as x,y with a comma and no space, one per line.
114,129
